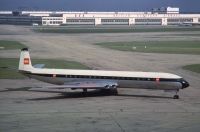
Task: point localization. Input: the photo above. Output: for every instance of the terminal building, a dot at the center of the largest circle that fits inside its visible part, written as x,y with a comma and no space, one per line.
158,16
17,18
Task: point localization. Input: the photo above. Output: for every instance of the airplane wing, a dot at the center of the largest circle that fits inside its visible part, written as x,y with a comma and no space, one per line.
86,84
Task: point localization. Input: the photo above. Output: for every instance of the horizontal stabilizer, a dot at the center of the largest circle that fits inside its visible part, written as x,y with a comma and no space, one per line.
9,68
39,65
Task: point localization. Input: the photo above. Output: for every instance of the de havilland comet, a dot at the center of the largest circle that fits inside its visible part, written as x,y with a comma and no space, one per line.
99,79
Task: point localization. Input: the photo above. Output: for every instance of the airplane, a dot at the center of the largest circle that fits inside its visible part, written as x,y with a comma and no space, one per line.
100,79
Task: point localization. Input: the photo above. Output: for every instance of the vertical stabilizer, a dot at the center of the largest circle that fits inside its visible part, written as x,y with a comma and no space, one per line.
25,60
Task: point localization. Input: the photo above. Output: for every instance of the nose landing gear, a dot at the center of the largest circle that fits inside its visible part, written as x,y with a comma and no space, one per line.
176,96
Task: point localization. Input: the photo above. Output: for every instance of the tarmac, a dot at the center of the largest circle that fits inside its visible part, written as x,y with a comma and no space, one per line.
23,108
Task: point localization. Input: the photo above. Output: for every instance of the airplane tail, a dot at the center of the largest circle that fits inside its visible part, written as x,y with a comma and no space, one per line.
25,60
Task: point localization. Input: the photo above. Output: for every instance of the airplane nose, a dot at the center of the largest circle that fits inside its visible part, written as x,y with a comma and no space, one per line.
185,84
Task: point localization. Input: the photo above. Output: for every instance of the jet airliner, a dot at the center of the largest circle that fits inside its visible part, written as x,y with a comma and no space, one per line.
99,79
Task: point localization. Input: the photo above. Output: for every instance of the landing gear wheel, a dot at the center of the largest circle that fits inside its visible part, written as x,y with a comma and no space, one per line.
109,91
114,92
84,91
105,91
176,97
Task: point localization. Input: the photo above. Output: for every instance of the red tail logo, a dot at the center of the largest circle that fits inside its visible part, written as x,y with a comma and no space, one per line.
26,61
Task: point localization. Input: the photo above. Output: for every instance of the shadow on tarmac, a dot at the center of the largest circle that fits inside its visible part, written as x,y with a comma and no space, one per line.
78,94
95,93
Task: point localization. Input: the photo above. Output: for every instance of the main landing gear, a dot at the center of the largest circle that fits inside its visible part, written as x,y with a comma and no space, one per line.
84,91
109,91
114,91
104,91
176,96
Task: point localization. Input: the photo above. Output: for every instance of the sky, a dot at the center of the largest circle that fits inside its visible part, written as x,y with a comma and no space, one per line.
99,5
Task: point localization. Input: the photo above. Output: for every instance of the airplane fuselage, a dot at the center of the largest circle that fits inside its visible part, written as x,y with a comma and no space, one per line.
143,80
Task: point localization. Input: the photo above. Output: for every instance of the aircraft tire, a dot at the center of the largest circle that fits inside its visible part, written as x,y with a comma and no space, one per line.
176,97
115,92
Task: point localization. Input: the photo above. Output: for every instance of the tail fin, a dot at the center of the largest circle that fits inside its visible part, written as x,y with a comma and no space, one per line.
25,60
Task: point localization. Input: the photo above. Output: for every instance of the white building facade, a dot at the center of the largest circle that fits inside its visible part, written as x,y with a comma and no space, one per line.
120,18
168,16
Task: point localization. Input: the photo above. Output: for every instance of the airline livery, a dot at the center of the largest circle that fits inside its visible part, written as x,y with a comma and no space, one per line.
99,79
